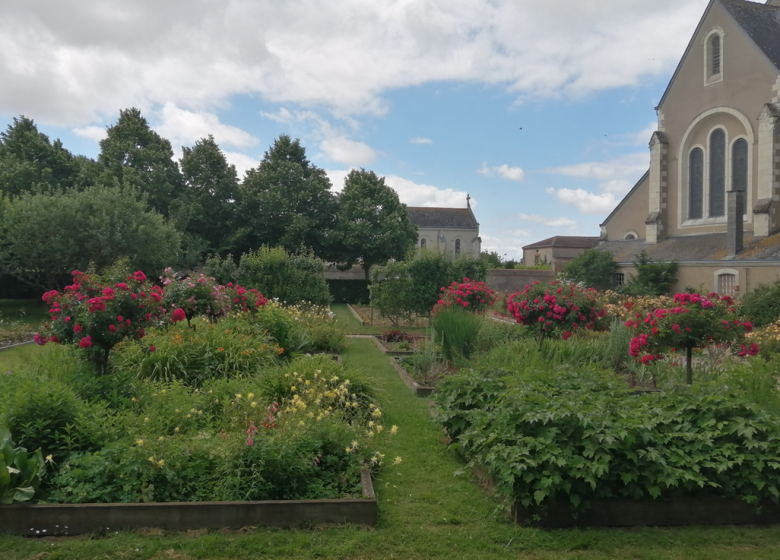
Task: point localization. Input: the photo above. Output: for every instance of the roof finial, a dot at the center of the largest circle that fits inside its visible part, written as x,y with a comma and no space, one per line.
468,200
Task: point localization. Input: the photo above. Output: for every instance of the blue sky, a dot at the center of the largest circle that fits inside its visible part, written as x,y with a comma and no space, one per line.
432,94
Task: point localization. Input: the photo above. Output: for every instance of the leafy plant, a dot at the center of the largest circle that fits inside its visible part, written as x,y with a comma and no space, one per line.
456,332
762,304
593,269
20,471
287,277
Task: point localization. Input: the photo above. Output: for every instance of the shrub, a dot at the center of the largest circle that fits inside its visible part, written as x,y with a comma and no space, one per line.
762,305
397,336
196,296
471,295
593,269
652,279
289,278
557,309
349,291
223,270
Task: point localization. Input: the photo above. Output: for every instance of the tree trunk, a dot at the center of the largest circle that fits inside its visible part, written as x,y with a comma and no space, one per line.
689,365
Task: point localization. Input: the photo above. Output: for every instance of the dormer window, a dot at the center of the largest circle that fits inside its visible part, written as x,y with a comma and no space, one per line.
713,56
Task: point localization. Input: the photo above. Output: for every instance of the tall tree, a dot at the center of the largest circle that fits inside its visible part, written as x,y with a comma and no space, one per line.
135,155
373,225
30,162
211,193
286,201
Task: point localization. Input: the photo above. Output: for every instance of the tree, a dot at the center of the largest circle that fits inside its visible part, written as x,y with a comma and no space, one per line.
211,193
29,161
653,278
44,237
286,201
373,225
134,155
595,269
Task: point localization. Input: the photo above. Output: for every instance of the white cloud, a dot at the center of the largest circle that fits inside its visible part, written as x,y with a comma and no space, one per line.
586,202
421,140
504,170
242,162
410,192
346,151
184,128
96,133
546,221
75,62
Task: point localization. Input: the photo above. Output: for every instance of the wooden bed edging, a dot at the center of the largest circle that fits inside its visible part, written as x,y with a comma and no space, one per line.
379,344
356,314
76,519
652,513
420,390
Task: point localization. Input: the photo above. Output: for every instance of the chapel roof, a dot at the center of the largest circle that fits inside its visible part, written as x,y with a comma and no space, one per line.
762,24
565,241
460,218
696,248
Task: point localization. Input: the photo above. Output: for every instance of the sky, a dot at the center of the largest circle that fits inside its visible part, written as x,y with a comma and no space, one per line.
541,111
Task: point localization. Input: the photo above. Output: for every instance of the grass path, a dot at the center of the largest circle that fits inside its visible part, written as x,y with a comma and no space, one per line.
425,512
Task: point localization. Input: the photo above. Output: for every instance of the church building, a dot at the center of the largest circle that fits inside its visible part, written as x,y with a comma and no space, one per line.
455,230
711,197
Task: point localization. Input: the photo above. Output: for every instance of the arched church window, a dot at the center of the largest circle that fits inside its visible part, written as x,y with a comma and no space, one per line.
695,183
717,189
423,243
457,246
715,55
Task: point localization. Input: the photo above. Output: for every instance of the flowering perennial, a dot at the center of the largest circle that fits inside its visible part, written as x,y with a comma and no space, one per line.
469,294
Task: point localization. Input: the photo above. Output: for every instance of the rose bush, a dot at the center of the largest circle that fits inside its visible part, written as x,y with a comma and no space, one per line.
95,318
557,309
195,296
693,321
471,295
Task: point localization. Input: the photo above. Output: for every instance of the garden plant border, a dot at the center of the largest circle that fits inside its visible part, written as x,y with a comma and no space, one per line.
42,520
420,390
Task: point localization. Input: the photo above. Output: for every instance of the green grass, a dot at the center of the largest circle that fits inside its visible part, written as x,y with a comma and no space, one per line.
14,358
32,311
425,512
353,326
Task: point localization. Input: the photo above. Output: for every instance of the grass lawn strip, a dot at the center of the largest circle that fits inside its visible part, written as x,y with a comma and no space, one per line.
425,512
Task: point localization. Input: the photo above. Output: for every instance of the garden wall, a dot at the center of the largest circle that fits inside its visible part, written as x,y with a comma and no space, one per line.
514,280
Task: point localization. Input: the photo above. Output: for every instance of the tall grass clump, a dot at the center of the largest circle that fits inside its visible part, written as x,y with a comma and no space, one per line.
456,332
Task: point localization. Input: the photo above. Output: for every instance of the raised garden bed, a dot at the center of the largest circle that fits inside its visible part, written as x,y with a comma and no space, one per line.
369,316
651,513
398,348
77,519
420,390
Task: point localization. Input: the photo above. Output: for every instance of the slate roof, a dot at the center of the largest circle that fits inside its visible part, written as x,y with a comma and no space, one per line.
696,248
460,218
762,24
567,241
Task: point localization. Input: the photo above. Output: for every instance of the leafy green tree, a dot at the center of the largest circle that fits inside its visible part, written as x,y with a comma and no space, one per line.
30,161
492,259
762,304
134,155
286,201
290,278
595,269
653,278
43,237
211,193
373,225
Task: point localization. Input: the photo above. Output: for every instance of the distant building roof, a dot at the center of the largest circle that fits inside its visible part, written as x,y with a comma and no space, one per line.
567,241
705,247
762,24
423,217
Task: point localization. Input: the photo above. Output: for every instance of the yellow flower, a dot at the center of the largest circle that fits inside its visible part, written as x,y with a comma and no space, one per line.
354,444
160,438
139,442
377,413
292,388
250,395
238,395
397,461
301,423
348,449
151,459
254,404
146,419
161,462
163,391
176,429
49,459
394,430
379,428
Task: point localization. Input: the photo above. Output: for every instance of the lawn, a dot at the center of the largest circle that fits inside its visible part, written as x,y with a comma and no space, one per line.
426,511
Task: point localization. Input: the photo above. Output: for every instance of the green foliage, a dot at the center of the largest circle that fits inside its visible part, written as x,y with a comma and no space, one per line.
230,349
289,278
135,156
286,201
223,269
594,269
46,236
373,226
211,191
392,292
349,291
491,259
652,279
576,434
20,471
762,304
456,332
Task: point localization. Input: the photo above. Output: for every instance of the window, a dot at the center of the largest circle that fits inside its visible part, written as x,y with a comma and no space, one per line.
726,284
715,55
619,279
717,190
629,236
695,183
457,246
739,167
423,243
